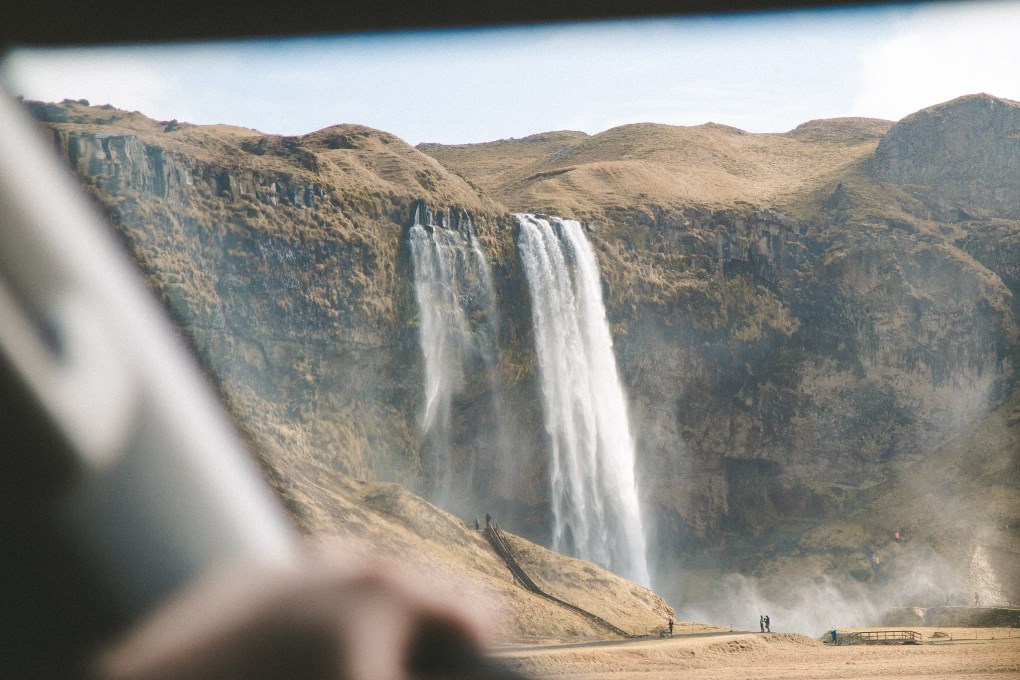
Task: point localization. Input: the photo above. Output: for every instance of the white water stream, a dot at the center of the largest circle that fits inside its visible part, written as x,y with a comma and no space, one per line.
594,492
456,303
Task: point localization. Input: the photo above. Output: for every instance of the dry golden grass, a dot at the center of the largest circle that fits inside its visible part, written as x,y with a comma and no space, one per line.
388,523
505,156
651,164
775,655
611,597
351,160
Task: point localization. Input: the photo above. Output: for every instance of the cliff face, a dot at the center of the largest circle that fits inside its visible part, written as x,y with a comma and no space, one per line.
285,259
791,336
808,364
798,318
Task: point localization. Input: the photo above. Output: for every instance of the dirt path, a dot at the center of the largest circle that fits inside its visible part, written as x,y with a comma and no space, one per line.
561,646
776,655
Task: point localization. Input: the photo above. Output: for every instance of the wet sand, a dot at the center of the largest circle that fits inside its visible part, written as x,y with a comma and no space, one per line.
995,654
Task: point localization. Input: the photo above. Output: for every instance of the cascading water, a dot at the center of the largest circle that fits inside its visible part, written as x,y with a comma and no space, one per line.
594,499
458,332
594,493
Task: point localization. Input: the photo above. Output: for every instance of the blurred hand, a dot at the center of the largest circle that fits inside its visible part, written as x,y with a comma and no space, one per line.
328,618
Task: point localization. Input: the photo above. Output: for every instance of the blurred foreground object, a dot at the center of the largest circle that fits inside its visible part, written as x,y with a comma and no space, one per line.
56,22
128,496
122,476
328,618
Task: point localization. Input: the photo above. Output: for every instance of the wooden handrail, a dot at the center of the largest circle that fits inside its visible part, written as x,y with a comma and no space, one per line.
501,545
867,637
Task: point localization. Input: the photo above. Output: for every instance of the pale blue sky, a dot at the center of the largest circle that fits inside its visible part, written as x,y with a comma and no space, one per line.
761,73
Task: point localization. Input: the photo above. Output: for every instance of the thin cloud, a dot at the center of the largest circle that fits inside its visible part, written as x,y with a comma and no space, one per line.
102,77
940,53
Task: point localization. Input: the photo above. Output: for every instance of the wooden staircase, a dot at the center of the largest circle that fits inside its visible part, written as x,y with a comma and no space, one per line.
497,539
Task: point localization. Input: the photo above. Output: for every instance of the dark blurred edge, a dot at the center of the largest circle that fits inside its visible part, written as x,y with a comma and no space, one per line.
93,22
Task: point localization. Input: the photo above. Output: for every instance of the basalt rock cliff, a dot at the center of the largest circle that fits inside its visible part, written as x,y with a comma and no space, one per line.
800,319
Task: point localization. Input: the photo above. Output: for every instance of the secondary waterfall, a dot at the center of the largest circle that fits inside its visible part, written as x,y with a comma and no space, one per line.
594,492
458,326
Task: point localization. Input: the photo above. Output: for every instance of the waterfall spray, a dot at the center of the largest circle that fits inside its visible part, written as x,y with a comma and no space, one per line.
458,329
595,504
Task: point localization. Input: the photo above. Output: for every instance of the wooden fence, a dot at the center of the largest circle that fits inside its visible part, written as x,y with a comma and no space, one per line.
880,637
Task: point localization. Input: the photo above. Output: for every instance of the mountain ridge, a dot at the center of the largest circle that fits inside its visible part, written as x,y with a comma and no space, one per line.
728,157
793,331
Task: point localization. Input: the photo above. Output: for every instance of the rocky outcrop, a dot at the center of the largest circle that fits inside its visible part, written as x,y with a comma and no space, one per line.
117,163
777,363
962,157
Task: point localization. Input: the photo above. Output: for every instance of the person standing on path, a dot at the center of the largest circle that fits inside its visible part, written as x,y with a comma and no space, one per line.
768,629
761,622
671,626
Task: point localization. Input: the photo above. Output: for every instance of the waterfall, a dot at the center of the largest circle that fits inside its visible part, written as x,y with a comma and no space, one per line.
596,512
457,328
594,498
